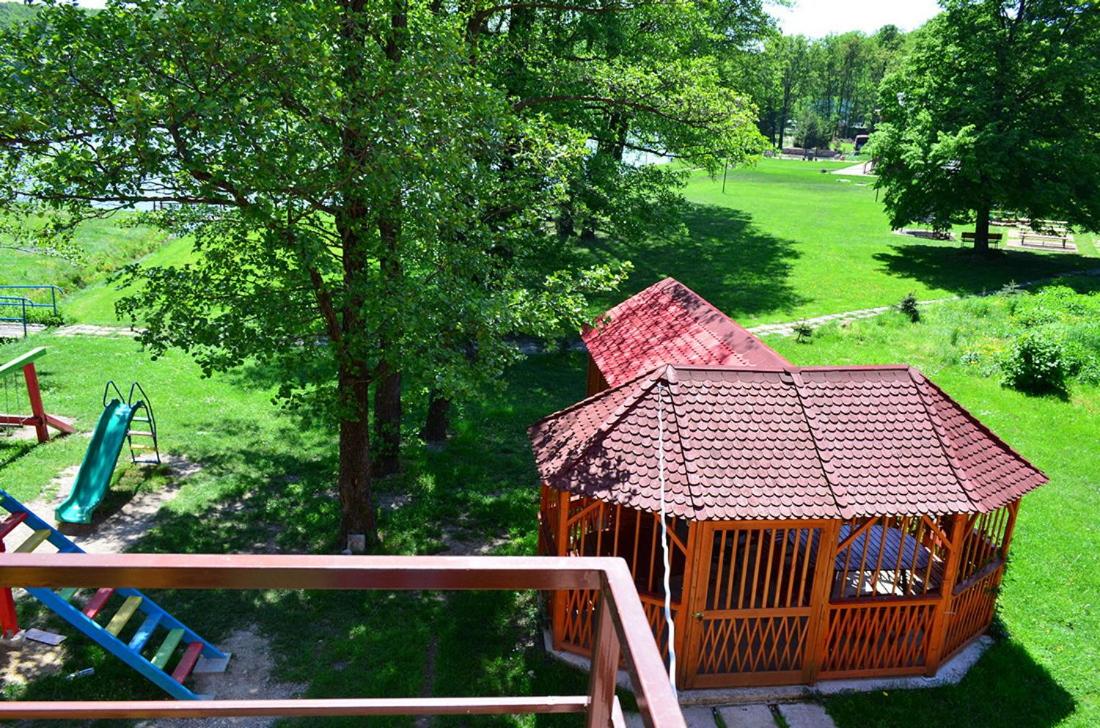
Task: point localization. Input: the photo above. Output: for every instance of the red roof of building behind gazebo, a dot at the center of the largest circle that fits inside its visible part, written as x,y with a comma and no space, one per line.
781,443
669,322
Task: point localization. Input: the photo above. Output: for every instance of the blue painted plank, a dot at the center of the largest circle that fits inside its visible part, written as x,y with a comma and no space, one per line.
145,631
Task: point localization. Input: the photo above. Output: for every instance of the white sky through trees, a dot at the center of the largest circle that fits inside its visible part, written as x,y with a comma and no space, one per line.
815,18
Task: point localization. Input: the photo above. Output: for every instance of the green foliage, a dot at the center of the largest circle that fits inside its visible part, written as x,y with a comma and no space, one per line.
829,85
995,107
13,13
909,307
803,332
1034,363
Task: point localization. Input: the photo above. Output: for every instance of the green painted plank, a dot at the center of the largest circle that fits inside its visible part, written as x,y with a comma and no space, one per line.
122,616
67,594
33,542
167,648
22,360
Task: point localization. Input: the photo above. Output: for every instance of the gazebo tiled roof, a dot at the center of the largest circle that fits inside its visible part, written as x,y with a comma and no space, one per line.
745,443
669,322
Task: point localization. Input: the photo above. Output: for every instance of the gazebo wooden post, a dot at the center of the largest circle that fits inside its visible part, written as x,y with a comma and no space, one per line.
1013,511
817,630
685,660
938,632
557,608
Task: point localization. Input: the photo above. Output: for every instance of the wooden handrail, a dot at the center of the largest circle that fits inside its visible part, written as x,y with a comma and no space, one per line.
621,624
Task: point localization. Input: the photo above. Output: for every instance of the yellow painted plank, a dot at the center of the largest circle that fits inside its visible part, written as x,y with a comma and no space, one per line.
33,542
122,616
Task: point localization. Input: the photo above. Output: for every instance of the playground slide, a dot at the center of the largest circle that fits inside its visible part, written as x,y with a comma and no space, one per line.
99,463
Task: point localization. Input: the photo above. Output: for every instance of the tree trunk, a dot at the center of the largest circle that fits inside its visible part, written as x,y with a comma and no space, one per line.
437,423
387,422
356,509
981,229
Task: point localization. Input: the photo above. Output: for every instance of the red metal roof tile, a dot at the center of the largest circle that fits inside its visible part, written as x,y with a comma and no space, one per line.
669,322
785,443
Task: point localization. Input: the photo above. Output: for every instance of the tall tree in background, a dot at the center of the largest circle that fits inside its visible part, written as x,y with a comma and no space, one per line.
370,185
997,106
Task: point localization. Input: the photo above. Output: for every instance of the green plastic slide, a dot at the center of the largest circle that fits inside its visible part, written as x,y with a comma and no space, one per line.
99,464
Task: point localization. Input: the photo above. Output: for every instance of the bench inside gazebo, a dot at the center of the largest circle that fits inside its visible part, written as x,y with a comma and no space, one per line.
823,522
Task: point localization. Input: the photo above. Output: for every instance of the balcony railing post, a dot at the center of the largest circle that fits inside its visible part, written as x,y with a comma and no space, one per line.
605,664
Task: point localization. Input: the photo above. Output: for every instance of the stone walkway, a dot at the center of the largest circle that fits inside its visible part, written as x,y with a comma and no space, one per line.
94,330
10,330
787,327
856,170
754,715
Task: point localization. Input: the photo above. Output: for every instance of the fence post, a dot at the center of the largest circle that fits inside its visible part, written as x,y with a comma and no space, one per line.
605,664
23,301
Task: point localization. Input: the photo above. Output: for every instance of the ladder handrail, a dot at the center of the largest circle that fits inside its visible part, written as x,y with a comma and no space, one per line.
135,387
107,389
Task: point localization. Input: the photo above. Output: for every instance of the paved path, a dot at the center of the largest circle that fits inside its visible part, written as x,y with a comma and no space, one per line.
15,331
95,330
755,715
856,170
787,328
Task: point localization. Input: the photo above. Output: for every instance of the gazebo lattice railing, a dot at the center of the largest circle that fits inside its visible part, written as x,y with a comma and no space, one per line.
779,602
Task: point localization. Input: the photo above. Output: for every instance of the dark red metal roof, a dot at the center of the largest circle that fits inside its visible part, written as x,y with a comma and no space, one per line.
780,443
669,322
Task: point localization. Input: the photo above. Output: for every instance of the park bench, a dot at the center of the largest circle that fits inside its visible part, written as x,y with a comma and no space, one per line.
994,238
1046,233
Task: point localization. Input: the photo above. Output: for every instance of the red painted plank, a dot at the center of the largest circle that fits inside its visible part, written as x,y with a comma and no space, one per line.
187,662
11,522
97,602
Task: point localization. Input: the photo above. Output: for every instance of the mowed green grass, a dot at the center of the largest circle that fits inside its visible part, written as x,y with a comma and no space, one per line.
267,483
787,241
267,478
1043,673
100,247
95,304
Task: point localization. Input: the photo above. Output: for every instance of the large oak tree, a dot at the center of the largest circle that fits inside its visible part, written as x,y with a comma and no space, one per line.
997,106
371,185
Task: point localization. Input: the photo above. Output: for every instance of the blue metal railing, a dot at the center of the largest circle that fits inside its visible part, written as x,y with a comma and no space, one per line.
20,304
24,304
55,291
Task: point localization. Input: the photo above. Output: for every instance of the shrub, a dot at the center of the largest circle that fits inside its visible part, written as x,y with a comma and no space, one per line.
803,331
909,308
1035,363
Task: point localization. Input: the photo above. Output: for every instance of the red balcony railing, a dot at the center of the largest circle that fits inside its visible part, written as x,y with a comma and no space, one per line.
621,627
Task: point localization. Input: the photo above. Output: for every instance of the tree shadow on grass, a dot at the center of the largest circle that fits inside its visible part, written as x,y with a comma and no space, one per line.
1006,687
720,254
962,272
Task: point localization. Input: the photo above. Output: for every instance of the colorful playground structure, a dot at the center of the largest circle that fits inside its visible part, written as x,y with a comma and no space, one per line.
39,419
111,431
124,637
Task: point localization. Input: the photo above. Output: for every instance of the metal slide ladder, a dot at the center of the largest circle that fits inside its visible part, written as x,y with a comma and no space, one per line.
196,655
147,442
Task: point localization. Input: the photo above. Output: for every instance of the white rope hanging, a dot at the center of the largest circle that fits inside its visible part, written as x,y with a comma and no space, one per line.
664,536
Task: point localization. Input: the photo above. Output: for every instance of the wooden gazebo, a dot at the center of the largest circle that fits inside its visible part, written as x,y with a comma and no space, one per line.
824,522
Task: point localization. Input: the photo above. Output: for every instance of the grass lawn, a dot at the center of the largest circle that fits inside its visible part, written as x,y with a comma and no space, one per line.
102,246
786,241
1044,672
266,484
96,303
